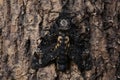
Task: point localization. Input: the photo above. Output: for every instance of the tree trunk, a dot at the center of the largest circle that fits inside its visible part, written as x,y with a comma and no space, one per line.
21,24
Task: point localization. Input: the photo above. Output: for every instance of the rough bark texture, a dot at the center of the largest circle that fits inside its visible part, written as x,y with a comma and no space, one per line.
21,22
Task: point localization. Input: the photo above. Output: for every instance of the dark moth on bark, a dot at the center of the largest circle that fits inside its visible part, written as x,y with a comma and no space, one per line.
64,43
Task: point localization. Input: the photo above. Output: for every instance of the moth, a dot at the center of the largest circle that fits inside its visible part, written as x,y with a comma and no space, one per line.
64,43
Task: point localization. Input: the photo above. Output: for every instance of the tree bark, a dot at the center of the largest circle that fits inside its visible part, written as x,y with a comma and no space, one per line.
21,24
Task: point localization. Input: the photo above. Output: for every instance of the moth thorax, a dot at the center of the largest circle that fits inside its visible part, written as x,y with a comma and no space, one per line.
63,39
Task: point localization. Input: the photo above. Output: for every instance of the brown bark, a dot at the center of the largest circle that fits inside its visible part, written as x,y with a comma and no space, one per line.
20,29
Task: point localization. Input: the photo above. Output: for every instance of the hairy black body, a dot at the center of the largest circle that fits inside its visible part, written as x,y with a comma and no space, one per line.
64,43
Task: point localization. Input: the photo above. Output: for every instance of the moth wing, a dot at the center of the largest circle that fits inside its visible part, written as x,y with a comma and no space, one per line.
35,61
78,45
75,55
46,47
49,54
50,38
